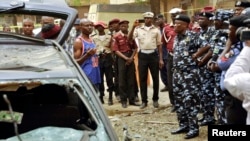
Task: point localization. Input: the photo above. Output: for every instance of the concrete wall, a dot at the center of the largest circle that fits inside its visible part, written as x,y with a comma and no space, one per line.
124,12
82,11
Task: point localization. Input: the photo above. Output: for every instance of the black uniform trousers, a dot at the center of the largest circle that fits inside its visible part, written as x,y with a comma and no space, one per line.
170,78
106,69
148,62
126,75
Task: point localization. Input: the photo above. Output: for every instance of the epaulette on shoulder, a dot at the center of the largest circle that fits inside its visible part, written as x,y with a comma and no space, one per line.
138,27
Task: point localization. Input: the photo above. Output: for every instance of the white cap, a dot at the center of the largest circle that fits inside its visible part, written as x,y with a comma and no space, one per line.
175,10
148,14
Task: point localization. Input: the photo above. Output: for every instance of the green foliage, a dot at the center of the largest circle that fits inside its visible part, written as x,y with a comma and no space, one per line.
77,2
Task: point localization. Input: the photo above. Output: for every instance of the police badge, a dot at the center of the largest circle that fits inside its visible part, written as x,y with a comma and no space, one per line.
238,3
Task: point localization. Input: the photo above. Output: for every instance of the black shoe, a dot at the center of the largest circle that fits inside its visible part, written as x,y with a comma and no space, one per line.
110,102
191,134
143,105
206,122
156,104
124,104
173,109
101,99
164,89
134,104
180,130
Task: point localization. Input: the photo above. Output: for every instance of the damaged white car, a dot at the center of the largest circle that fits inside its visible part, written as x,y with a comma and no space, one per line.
44,95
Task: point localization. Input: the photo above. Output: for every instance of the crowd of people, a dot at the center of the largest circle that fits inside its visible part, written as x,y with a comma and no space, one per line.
192,58
204,71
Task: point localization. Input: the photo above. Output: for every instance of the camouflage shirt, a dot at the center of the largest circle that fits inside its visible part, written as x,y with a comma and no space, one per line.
204,38
219,40
184,46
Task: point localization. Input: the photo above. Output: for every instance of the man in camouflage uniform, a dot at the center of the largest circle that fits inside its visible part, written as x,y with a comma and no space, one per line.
207,97
235,113
185,78
219,42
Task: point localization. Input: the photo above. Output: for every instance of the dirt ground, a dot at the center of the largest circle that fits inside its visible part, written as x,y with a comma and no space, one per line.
149,124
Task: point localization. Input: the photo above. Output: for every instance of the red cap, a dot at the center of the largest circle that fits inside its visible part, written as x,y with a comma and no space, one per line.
124,21
101,23
208,9
115,20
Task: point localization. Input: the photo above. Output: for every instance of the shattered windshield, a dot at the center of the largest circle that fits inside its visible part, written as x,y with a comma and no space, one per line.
30,58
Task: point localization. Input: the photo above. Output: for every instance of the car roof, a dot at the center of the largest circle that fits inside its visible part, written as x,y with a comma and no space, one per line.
57,8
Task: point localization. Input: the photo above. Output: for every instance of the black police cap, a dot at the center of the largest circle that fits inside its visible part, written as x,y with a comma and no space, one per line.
206,14
160,16
238,21
183,18
242,3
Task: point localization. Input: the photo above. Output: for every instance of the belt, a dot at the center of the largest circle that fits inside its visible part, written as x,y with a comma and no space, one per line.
147,51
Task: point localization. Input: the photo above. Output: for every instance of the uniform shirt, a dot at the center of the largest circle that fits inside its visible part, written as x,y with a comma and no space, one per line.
102,43
219,43
205,37
148,37
170,34
121,43
184,46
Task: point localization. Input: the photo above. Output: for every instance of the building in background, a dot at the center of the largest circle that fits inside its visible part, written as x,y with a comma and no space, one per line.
106,12
157,6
